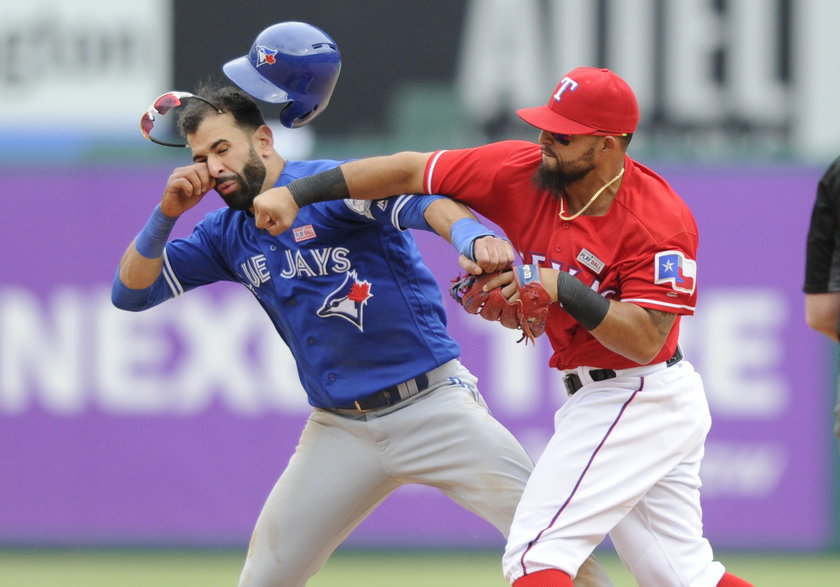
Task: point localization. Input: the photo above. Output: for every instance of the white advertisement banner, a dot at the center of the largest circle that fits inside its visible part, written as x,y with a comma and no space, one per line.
87,66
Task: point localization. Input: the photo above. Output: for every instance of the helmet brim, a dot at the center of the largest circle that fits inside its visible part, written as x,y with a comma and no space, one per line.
242,73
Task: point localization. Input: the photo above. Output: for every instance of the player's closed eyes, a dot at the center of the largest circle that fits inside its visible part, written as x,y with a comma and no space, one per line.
562,139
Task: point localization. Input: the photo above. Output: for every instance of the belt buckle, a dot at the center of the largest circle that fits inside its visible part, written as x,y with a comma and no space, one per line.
394,394
376,400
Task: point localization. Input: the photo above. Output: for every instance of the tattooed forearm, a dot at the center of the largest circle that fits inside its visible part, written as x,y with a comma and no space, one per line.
662,320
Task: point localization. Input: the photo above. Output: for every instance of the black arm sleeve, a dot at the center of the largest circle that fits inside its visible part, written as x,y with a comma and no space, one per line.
321,187
583,304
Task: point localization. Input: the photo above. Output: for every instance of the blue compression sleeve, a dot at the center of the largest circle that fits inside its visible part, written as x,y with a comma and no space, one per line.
465,232
125,298
152,239
412,211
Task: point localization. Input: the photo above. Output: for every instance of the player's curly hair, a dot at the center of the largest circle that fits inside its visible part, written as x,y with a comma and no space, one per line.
244,109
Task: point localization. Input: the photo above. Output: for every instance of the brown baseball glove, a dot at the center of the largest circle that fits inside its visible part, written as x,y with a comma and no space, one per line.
528,313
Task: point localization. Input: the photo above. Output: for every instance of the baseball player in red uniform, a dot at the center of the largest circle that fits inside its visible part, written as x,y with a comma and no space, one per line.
615,248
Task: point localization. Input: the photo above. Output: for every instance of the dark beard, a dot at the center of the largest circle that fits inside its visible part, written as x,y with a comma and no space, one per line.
556,182
250,180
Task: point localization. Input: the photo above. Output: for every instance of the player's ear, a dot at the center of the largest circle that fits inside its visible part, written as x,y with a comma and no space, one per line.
264,139
610,144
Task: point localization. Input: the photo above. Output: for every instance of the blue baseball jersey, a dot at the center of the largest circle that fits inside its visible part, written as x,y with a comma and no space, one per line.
345,287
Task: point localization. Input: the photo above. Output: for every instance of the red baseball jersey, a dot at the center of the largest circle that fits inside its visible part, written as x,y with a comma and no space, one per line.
643,250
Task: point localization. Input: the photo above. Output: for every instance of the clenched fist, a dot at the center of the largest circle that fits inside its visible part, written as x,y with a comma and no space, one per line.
275,210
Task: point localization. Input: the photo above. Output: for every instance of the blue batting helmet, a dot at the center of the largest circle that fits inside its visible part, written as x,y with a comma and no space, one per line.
293,63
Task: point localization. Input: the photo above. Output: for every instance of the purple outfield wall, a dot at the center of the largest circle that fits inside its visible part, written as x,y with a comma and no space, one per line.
170,426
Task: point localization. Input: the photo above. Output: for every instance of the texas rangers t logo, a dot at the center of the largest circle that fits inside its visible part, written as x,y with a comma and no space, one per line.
348,301
566,83
674,268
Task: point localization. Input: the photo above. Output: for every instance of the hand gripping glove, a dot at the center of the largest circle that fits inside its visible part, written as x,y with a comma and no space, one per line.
533,301
528,313
490,305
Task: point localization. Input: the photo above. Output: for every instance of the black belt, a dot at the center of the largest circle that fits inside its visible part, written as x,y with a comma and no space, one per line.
390,395
573,383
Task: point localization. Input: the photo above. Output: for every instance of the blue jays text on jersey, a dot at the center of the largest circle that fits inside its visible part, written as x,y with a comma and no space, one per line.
345,287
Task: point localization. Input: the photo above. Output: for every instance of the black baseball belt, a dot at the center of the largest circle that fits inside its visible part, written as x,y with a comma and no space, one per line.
573,383
390,395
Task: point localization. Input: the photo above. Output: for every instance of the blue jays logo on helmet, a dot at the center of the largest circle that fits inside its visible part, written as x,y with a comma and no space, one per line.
265,56
291,63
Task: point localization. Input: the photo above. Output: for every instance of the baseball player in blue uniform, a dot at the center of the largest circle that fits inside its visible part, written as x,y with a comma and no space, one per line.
347,291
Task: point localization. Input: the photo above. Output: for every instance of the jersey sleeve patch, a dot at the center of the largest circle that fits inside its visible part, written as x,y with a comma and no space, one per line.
304,233
673,267
360,207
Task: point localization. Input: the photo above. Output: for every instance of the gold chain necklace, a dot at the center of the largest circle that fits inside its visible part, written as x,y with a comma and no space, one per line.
592,199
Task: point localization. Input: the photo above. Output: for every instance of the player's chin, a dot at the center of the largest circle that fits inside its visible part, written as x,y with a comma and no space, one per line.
548,166
239,201
236,201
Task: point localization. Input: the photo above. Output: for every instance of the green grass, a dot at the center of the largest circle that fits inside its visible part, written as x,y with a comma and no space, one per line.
117,568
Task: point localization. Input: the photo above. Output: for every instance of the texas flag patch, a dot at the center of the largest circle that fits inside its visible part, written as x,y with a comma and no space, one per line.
674,268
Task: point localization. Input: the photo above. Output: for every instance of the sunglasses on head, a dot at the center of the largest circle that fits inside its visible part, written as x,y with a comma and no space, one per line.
161,106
